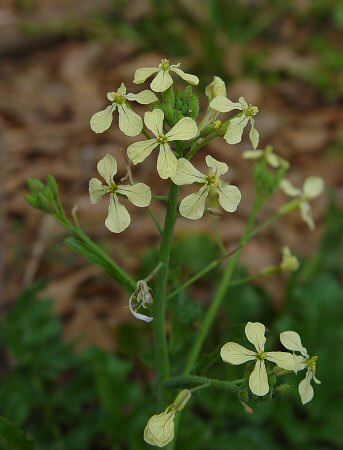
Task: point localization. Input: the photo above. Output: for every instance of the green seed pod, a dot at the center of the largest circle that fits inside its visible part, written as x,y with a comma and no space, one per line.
272,379
187,94
179,99
194,107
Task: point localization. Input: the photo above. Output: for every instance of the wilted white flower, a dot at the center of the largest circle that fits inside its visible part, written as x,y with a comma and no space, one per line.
142,297
130,123
235,354
237,124
272,158
312,188
163,80
185,129
292,341
139,194
193,206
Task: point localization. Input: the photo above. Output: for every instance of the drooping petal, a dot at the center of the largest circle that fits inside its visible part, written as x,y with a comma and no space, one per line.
185,129
235,354
101,121
118,218
193,206
258,380
215,89
254,332
254,135
235,129
252,154
136,314
96,190
282,359
306,214
223,104
191,79
315,379
229,197
154,121
273,160
186,173
305,389
144,98
107,168
139,194
292,341
219,168
130,123
138,151
142,74
162,81
166,162
243,102
287,187
159,430
313,187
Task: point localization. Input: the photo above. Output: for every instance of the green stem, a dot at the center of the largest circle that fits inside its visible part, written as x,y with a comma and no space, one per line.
155,219
219,295
159,322
194,380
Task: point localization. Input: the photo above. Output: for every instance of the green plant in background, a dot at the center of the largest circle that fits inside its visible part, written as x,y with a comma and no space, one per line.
172,131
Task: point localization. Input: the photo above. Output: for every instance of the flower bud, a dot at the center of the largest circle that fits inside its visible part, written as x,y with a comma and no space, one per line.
289,263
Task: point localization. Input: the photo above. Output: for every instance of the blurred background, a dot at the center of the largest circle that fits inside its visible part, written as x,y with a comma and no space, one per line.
72,357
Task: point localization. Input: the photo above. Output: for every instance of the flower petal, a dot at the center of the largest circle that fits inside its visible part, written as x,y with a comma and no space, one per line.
96,190
306,214
273,160
193,206
292,341
144,98
219,168
166,162
139,194
101,121
284,360
138,151
252,154
130,123
254,135
223,104
229,197
305,389
254,332
287,187
258,380
159,430
191,79
186,173
215,89
136,314
154,121
142,74
235,354
122,89
118,218
162,81
235,129
107,168
313,187
185,129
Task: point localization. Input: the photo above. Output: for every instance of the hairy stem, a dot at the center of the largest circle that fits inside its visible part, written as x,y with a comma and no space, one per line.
194,380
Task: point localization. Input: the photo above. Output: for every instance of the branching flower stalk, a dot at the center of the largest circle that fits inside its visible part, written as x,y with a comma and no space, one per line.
174,135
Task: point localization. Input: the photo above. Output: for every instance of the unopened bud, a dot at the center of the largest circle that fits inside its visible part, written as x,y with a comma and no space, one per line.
214,211
181,400
248,409
217,124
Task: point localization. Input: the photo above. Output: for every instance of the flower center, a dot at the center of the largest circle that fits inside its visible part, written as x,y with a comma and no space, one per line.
165,64
118,98
112,188
162,139
211,180
251,111
312,362
261,356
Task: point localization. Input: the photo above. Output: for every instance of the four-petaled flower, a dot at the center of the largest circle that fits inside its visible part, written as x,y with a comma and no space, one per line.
292,341
139,194
193,206
130,123
163,80
237,124
235,354
312,188
185,129
272,158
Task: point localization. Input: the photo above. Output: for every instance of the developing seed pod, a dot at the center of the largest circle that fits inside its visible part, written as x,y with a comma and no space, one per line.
194,107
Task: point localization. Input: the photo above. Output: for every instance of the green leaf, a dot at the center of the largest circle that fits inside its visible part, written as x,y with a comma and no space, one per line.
12,438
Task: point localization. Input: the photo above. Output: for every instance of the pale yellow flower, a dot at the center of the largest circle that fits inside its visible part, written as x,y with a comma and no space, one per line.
237,124
272,158
185,129
292,341
130,123
139,194
163,80
312,188
289,263
235,354
193,206
216,88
